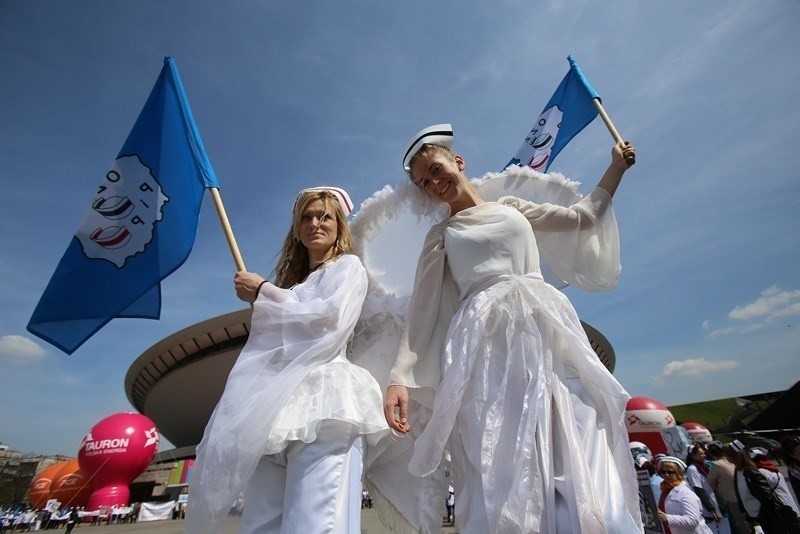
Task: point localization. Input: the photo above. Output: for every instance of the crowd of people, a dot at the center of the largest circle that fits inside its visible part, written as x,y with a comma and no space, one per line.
26,519
725,488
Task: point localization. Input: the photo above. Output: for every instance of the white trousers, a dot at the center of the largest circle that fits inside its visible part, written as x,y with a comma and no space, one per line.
308,488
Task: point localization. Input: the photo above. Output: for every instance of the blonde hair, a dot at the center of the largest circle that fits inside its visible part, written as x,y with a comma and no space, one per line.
292,266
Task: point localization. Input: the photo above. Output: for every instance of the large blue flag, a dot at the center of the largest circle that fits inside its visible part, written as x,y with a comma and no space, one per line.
140,226
567,113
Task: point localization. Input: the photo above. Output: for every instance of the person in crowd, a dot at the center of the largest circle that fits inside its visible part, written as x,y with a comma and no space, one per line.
697,480
366,499
679,507
762,494
791,455
642,462
720,478
760,457
450,505
532,419
290,420
73,520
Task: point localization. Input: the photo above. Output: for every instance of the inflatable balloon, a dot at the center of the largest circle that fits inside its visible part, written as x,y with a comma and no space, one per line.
42,482
71,487
114,452
698,433
650,422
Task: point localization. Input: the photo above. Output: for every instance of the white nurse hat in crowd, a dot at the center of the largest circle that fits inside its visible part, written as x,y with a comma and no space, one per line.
737,445
672,460
340,194
438,134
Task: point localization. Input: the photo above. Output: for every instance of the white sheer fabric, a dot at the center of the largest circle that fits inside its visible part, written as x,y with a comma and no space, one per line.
506,356
291,375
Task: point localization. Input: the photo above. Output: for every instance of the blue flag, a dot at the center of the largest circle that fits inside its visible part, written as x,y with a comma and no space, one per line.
567,113
140,226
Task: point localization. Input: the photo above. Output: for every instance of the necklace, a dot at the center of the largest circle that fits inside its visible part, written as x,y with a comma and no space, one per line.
316,265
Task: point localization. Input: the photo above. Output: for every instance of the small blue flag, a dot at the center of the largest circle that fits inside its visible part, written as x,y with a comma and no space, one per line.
567,113
140,226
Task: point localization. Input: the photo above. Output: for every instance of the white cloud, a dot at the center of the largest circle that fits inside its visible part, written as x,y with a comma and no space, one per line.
20,350
771,304
735,330
693,367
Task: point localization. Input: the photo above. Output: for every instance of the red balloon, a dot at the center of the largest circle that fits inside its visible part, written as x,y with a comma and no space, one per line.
40,487
646,419
698,432
114,452
71,486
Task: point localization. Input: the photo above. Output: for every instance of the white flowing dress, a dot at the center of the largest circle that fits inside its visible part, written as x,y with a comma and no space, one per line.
291,375
511,369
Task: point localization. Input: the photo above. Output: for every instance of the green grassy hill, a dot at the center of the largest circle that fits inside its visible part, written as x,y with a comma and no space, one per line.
720,413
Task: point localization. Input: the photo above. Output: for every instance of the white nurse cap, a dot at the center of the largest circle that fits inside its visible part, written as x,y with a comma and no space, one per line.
672,460
340,194
438,134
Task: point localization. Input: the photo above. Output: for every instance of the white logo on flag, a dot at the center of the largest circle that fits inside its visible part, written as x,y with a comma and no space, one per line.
535,151
124,211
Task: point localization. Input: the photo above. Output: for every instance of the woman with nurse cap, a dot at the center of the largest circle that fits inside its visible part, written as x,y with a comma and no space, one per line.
679,508
289,426
532,419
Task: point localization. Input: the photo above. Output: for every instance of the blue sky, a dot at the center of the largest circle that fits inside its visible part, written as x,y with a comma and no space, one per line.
294,94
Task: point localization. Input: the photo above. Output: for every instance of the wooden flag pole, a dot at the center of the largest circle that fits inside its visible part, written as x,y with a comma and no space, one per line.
226,227
611,128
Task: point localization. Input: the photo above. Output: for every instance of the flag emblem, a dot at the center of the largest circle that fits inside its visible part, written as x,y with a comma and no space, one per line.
567,112
124,213
542,136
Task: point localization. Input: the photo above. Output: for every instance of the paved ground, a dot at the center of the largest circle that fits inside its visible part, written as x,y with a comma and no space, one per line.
370,524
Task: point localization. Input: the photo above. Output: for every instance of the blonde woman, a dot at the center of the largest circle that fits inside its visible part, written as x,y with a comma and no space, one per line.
679,508
288,428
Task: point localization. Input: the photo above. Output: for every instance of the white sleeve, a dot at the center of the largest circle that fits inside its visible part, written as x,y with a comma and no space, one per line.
689,516
579,242
693,479
433,302
271,291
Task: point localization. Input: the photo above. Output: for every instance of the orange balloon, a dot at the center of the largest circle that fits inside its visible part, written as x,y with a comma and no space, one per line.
42,482
71,486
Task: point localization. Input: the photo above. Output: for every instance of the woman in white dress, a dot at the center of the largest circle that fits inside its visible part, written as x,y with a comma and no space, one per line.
532,419
288,428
